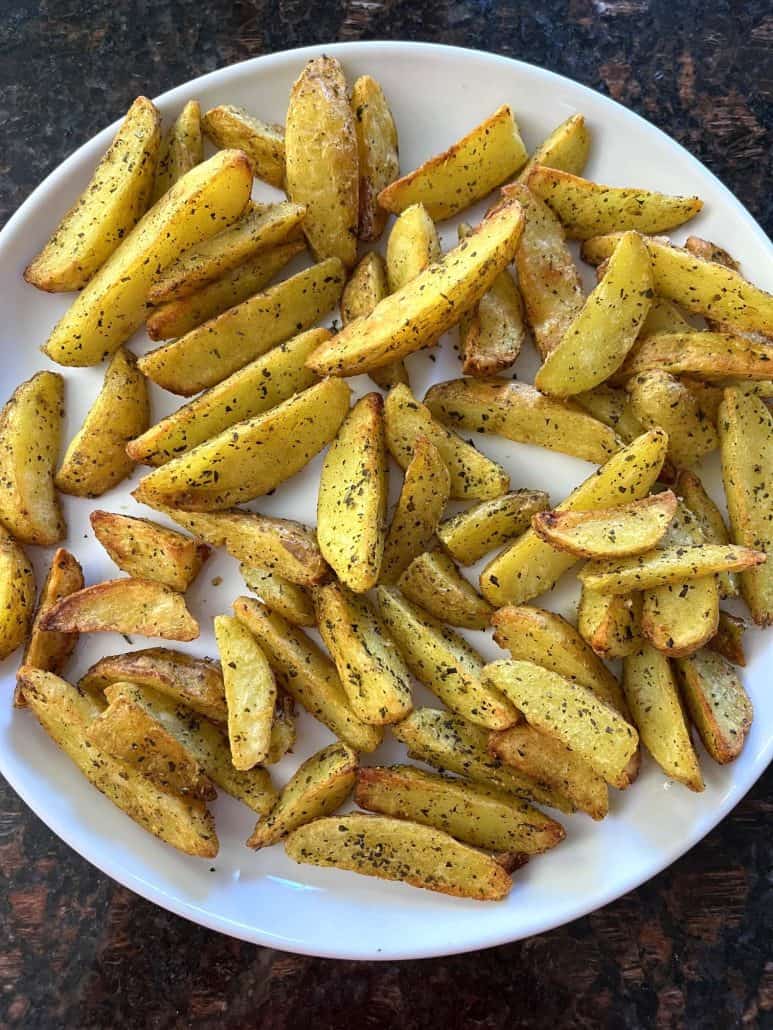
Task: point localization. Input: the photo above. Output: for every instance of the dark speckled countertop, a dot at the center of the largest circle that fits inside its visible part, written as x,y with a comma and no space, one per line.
692,947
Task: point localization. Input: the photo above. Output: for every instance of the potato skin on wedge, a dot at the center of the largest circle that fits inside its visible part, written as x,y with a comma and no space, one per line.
718,705
146,550
250,692
181,149
17,595
470,534
433,582
378,158
262,142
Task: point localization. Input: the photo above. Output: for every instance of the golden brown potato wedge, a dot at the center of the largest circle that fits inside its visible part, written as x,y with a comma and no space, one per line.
17,595
660,399
292,601
262,142
717,702
613,408
728,640
283,730
250,692
434,583
710,520
566,148
367,286
413,246
710,252
379,162
96,458
470,534
108,209
707,356
610,623
667,565
30,430
182,147
145,550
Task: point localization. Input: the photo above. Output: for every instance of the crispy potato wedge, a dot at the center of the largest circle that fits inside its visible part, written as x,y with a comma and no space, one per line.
613,408
717,702
707,356
367,286
372,671
728,640
65,713
30,431
529,566
293,602
422,310
181,149
319,786
667,565
262,142
471,812
423,497
17,595
434,583
651,691
444,662
710,520
598,340
710,252
746,448
352,499
413,246
283,730
377,151
472,167
473,475
660,399
322,162
393,849
144,549
518,412
125,606
250,692
96,460
304,672
107,210
610,623
470,534
566,147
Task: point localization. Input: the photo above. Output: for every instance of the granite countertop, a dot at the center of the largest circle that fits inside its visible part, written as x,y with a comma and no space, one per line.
690,948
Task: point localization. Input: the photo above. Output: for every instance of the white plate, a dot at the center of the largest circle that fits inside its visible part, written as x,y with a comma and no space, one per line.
437,93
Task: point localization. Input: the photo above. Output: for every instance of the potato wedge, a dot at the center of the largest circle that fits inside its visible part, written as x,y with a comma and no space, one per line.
663,317
652,695
304,672
96,460
413,246
713,357
108,209
392,849
471,812
422,310
145,550
728,640
379,162
571,713
17,595
610,623
613,408
473,475
710,520
367,286
65,713
251,458
181,149
221,346
566,148
706,396
262,142
710,252
113,306
293,602
746,449
250,692
529,566
434,583
352,499
470,534
423,497
717,702
444,662
629,529
372,671
472,167
319,786
660,399
253,390
30,431
123,606
598,340
283,730
518,412
668,565
322,163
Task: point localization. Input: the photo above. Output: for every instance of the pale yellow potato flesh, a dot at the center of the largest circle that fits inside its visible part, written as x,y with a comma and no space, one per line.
434,583
613,408
182,147
610,623
17,595
292,601
660,399
378,158
709,356
663,317
470,534
718,705
668,565
710,520
144,549
250,692
413,245
366,286
728,640
566,147
262,142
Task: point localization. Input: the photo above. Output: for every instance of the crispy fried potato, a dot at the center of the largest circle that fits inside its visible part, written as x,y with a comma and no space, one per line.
422,310
610,623
17,595
746,448
613,408
182,148
668,565
710,520
367,286
96,458
434,583
262,142
107,210
304,672
611,533
444,662
470,534
472,167
518,412
144,549
651,691
473,475
566,148
597,341
352,499
322,164
30,430
283,729
319,786
709,356
250,692
529,566
718,704
123,606
223,345
293,602
728,640
379,162
413,246
710,252
660,399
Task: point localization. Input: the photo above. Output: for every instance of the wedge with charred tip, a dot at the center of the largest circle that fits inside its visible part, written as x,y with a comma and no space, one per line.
566,148
613,408
717,702
292,601
413,246
107,210
519,412
283,730
367,285
262,142
352,499
181,149
30,430
434,583
728,640
660,399
610,623
304,672
250,692
379,162
652,695
710,520
444,662
17,595
708,356
422,310
96,458
472,167
529,566
610,533
473,475
146,550
470,534
320,786
668,565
